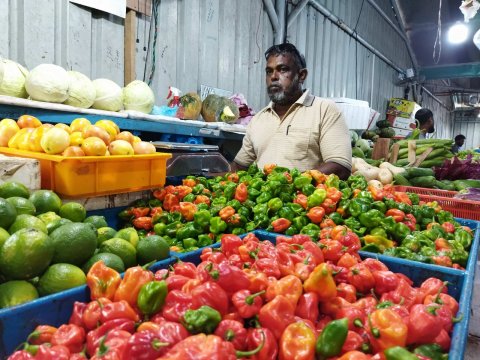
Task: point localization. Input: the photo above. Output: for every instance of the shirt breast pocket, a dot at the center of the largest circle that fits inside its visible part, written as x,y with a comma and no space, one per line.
296,143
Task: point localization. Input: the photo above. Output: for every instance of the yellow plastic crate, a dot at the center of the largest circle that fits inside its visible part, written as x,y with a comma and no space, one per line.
97,175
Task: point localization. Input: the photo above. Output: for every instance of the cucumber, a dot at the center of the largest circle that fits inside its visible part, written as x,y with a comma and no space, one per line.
463,184
444,185
416,172
423,181
443,142
399,179
431,163
403,153
401,162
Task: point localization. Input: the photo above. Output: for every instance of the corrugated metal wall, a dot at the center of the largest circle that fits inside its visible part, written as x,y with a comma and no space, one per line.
442,116
468,126
218,43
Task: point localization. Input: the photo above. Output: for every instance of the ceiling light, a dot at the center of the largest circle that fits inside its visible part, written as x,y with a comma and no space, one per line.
457,33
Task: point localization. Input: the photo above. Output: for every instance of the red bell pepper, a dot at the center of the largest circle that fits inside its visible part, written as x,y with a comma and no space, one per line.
329,206
230,244
21,355
374,265
211,294
404,294
77,313
72,336
303,269
176,282
91,314
188,210
443,339
170,201
133,280
41,335
144,223
258,280
277,314
433,286
118,310
94,337
316,214
385,281
186,269
289,286
268,266
246,303
347,291
102,281
357,355
332,249
297,342
285,263
112,345
234,332
368,304
280,225
354,341
443,299
398,215
302,200
347,260
448,227
255,338
189,182
226,213
386,329
355,316
231,278
307,307
361,277
423,325
176,303
241,193
55,352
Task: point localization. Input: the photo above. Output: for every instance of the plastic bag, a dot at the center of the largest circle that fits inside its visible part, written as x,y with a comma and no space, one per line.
469,9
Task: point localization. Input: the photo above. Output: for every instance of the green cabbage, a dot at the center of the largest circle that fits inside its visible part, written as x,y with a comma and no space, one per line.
363,144
138,96
13,81
47,82
109,95
81,92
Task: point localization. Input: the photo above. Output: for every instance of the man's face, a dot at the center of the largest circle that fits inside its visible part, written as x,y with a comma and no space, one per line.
431,126
460,142
284,80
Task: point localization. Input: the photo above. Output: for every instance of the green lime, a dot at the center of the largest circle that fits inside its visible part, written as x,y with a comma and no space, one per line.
129,234
22,205
96,220
4,235
26,254
48,217
7,213
74,243
26,221
121,248
73,211
60,277
105,233
16,292
13,188
111,260
152,248
45,200
55,224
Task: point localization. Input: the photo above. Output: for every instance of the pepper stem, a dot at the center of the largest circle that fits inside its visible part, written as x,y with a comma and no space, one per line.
229,335
249,299
241,354
157,344
147,265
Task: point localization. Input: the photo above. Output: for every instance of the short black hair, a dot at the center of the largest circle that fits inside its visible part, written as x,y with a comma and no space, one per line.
287,48
460,137
423,115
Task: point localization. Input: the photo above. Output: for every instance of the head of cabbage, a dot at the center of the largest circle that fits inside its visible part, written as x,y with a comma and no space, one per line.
47,82
138,96
13,80
109,95
81,92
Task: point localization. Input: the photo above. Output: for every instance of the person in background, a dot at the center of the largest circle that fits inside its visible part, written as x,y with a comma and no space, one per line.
459,141
296,129
426,124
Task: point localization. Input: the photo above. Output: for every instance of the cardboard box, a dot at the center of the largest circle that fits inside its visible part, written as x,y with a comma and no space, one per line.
400,107
26,171
403,123
401,133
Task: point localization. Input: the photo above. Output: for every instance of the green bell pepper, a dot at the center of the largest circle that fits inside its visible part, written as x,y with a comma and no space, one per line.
299,222
296,208
400,231
332,181
463,237
286,212
388,223
256,184
414,198
308,189
235,204
311,230
188,230
380,206
271,186
274,204
373,248
253,193
204,240
244,211
198,189
238,231
357,182
336,218
260,208
264,197
358,206
316,198
220,200
203,206
190,198
175,216
346,193
301,181
379,231
372,218
286,193
250,226
292,230
229,190
171,229
399,353
189,242
160,228
445,216
152,297
203,320
253,169
202,218
217,225
432,351
332,338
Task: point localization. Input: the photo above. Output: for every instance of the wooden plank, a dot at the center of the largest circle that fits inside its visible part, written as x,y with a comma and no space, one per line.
412,147
381,148
394,153
129,50
422,157
140,6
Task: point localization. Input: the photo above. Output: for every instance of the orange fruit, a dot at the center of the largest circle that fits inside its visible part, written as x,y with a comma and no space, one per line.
94,146
7,131
36,137
76,138
79,124
144,147
55,141
28,121
96,131
20,139
109,122
64,127
73,151
125,135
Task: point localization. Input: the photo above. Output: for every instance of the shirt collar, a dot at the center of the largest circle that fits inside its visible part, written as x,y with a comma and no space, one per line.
305,100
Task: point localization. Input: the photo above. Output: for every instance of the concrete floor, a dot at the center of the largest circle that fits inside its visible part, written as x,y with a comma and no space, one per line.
473,348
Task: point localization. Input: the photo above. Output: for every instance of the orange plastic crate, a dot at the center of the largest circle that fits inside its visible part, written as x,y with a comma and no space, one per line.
465,209
97,175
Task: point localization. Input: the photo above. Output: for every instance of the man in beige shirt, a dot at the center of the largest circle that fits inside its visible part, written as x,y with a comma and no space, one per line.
297,129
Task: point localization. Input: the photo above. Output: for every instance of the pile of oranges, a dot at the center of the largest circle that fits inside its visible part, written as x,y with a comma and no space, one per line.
80,138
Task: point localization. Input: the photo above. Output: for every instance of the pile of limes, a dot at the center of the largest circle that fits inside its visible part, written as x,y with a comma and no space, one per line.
47,246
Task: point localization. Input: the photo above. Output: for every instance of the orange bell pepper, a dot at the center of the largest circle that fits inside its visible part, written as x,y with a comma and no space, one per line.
102,281
297,342
133,280
386,329
276,315
322,283
289,286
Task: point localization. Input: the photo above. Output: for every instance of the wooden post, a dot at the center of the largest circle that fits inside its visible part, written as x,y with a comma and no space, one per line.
380,149
129,49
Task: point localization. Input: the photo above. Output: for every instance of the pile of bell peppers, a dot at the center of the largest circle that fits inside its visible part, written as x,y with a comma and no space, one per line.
296,299
197,213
